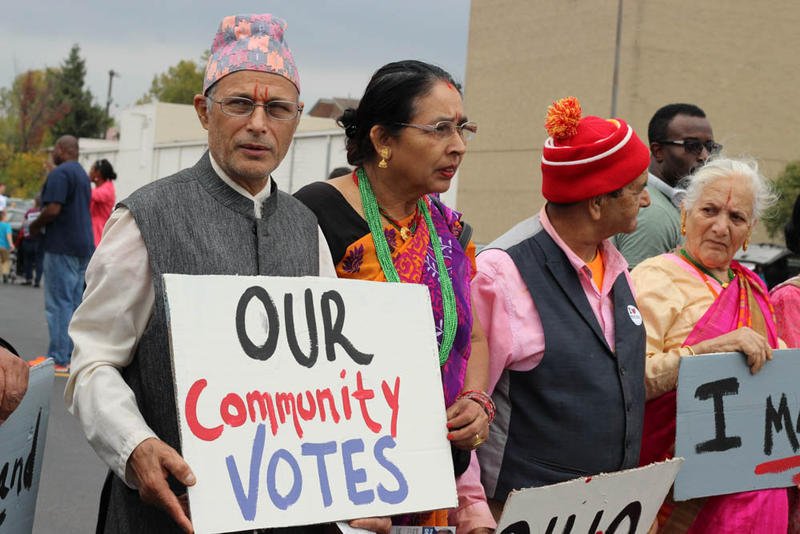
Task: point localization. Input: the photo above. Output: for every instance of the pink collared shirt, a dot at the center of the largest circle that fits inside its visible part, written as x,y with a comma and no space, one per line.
511,321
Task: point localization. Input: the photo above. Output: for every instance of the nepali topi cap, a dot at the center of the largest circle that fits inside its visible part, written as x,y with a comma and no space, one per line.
585,157
250,42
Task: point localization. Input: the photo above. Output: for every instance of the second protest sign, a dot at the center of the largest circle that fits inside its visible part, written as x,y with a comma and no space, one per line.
737,431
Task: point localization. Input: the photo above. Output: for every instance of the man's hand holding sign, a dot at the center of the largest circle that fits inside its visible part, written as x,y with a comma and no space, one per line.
151,462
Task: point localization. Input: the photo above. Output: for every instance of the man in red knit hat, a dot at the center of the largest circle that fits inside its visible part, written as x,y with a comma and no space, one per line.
554,296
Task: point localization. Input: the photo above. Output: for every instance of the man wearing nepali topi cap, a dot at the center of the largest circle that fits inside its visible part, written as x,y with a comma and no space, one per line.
224,215
566,341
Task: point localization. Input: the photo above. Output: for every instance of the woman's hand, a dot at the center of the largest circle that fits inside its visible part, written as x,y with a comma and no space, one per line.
468,424
754,345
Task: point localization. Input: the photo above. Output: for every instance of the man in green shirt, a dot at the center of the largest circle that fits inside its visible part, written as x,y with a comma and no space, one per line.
681,140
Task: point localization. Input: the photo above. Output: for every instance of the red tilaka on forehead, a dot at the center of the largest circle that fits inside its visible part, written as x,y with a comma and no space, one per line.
730,194
450,85
255,92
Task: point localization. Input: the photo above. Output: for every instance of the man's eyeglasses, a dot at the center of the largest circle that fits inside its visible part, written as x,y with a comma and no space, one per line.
445,129
239,106
695,146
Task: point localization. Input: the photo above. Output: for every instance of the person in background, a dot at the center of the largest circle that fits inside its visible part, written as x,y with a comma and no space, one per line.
3,197
786,296
68,244
30,247
6,246
693,301
785,299
681,140
565,338
102,176
384,222
339,171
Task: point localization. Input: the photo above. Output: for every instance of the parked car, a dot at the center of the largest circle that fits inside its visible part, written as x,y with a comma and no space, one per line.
773,263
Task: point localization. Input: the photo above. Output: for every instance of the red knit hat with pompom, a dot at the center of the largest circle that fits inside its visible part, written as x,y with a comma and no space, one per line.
588,156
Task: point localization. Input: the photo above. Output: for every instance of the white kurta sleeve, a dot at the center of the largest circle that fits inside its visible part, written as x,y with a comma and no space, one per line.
106,328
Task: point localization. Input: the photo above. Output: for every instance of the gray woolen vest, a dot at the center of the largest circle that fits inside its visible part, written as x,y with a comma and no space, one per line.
193,223
580,411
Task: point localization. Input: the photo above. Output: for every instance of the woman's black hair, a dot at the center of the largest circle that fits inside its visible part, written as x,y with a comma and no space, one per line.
103,166
792,229
388,99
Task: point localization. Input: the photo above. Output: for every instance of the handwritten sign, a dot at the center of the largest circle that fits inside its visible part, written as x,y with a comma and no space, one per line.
625,502
22,439
737,431
307,400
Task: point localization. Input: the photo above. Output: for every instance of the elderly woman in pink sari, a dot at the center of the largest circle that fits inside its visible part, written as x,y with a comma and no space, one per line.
785,298
697,300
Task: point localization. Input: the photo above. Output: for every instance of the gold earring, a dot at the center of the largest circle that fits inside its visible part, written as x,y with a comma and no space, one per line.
384,154
746,242
683,223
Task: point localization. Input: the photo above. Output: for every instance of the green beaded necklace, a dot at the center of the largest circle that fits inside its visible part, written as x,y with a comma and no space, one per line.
706,271
370,204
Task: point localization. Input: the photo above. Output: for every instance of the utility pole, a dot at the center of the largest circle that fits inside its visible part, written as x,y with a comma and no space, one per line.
616,62
111,75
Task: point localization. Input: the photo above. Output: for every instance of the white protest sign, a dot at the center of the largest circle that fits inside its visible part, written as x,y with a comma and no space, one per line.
22,439
737,431
307,400
625,502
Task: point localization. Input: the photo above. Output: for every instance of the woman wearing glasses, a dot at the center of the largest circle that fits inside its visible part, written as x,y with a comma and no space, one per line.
385,223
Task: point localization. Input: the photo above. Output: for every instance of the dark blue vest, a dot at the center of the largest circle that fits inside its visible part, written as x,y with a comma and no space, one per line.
580,411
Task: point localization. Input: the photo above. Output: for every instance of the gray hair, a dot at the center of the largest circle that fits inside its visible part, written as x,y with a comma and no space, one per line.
722,167
210,96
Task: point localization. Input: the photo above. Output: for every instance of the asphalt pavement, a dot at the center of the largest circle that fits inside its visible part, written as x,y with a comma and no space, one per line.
72,474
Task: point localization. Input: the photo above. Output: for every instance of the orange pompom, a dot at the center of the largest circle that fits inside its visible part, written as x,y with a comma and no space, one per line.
563,117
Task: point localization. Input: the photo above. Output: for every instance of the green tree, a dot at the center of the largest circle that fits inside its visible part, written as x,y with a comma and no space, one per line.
23,172
85,118
787,185
176,86
29,110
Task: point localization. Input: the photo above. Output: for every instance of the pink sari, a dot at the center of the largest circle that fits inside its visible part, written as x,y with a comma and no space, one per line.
785,298
743,303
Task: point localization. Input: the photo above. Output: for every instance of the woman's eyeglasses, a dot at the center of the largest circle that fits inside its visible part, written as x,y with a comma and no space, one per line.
445,129
695,146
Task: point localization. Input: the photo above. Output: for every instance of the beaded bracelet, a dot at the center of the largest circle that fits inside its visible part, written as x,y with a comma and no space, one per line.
483,399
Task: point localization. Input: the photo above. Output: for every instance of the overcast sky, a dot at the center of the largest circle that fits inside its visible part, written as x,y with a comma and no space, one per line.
337,45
